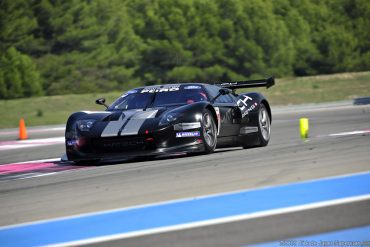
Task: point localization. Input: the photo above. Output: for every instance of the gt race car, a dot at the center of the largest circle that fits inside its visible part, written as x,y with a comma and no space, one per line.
171,118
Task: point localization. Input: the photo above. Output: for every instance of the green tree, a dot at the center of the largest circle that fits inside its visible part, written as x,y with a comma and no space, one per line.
19,76
86,46
93,47
17,23
3,88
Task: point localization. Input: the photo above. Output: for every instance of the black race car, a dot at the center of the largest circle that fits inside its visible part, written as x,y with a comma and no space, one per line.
171,118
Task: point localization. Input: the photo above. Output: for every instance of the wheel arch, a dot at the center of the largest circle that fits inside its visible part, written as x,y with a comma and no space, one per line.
214,114
73,118
266,103
260,99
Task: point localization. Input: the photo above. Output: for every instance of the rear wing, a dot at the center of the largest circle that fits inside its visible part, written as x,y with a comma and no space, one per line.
269,82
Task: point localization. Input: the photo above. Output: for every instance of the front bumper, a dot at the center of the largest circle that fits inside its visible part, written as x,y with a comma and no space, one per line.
163,141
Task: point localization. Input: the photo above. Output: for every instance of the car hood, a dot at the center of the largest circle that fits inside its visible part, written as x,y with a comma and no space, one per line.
149,113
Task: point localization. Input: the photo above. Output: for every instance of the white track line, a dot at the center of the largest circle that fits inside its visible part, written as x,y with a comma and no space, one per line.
217,221
15,132
39,161
27,176
9,145
34,161
357,132
179,200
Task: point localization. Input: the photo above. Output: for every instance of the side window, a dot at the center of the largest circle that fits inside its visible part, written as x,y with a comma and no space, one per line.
212,90
232,98
224,99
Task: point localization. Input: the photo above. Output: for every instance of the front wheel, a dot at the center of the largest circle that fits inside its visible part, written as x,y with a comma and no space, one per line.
209,132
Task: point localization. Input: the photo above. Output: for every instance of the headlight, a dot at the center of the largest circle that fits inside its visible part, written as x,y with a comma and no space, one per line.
85,125
169,118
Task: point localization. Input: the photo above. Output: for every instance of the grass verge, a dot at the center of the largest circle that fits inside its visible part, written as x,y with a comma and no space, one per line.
312,89
318,89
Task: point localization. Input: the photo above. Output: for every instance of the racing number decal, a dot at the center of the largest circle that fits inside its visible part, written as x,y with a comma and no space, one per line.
242,104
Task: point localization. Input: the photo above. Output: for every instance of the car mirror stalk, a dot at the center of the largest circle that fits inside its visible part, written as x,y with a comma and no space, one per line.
222,91
101,101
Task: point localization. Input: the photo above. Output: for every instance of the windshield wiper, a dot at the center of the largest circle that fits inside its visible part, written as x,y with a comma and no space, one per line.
151,101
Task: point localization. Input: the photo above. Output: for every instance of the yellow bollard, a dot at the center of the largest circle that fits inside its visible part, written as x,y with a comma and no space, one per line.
304,127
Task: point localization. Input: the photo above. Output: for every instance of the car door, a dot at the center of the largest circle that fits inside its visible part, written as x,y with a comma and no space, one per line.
229,113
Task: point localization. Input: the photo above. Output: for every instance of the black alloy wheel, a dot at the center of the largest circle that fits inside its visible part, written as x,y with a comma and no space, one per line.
209,131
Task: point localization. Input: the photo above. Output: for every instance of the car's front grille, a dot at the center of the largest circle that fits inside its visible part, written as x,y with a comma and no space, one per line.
119,144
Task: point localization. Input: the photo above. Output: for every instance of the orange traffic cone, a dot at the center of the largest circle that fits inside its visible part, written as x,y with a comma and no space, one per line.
22,130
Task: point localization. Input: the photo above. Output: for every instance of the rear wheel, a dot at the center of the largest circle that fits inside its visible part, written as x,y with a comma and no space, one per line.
264,129
209,132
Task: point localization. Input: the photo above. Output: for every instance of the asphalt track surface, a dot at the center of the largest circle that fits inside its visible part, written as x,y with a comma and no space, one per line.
286,159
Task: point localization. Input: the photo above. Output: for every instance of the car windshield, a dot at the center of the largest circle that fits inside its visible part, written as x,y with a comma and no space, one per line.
157,96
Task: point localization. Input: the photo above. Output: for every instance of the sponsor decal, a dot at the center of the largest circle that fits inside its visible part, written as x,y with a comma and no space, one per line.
187,126
131,92
252,107
188,134
72,143
169,88
244,107
192,87
228,84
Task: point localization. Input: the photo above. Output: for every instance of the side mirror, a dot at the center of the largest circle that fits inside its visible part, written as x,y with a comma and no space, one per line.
224,91
101,101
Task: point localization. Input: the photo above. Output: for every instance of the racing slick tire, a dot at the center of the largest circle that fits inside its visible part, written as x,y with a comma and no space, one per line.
209,130
264,129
